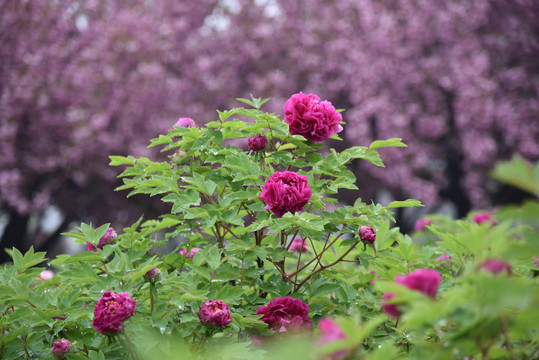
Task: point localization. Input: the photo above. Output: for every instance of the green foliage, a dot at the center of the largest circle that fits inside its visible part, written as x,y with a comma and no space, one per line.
245,259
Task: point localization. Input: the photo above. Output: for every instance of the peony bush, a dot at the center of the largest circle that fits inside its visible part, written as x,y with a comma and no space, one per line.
256,259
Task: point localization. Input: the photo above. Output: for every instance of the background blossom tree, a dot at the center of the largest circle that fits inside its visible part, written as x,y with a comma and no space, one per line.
458,81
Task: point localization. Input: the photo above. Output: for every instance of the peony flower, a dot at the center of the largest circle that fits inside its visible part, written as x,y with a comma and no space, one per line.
215,312
425,281
60,348
285,192
330,332
108,238
299,245
390,309
496,266
367,234
421,224
191,253
536,262
257,142
483,217
444,257
111,311
315,120
286,314
185,122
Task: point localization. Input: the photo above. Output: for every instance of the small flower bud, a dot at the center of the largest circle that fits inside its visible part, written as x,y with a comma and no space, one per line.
367,234
258,142
179,158
152,275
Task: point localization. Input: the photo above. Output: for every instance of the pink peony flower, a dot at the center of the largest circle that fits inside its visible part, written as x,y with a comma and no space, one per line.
108,238
444,257
536,262
60,348
215,312
425,281
299,245
496,266
421,224
258,142
330,332
315,120
483,217
286,314
285,192
185,122
367,234
111,311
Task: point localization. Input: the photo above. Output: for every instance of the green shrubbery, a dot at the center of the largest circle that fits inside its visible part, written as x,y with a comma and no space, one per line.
243,251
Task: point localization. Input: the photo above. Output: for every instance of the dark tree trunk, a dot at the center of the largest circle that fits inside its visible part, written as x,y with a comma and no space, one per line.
14,235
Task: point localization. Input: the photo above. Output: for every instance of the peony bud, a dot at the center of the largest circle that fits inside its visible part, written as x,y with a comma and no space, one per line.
60,348
179,158
367,234
444,257
258,142
152,275
496,266
421,224
215,312
483,217
46,275
299,245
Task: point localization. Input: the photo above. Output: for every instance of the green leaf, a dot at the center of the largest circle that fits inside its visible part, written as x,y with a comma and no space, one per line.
116,160
405,203
393,142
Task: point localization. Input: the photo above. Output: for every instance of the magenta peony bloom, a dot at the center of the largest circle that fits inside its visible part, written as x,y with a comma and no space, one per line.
315,120
258,142
421,224
60,348
285,192
496,266
536,262
215,312
425,281
390,309
367,234
286,314
483,217
108,238
299,245
444,257
330,332
111,311
185,122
